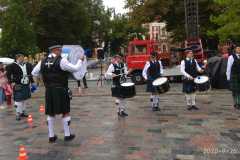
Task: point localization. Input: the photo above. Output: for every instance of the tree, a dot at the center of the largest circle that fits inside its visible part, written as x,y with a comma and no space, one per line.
17,31
228,20
62,21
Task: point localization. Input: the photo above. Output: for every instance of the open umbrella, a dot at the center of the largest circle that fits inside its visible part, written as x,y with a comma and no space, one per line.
6,60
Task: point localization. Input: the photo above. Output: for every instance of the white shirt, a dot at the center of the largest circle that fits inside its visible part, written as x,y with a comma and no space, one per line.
147,65
229,66
109,73
183,69
65,65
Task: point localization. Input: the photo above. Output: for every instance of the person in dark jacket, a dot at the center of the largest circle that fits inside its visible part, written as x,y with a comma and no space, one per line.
54,71
233,76
153,69
117,70
19,74
190,69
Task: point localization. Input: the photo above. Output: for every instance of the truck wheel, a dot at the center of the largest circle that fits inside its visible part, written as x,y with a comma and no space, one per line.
137,78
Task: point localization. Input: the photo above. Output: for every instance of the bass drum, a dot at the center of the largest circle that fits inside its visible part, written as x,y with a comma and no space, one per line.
125,90
161,85
202,83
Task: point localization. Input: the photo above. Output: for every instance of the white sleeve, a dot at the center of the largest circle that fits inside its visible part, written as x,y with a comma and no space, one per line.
183,70
229,67
161,67
110,71
36,70
67,66
198,67
125,69
144,73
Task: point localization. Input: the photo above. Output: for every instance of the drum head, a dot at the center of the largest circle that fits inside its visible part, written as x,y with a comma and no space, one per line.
127,84
160,81
201,79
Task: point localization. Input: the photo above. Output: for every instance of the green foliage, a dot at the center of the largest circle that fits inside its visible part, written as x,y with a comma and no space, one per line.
228,20
17,31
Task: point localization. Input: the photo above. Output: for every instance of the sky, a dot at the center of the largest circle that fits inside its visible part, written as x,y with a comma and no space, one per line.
117,4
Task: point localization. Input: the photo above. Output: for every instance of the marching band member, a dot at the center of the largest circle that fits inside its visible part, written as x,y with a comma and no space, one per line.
117,70
190,69
54,70
153,69
233,75
19,74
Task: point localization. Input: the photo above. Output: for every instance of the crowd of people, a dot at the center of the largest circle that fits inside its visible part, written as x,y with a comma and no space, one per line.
17,78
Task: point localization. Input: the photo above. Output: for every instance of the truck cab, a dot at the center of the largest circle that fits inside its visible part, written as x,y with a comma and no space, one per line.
137,55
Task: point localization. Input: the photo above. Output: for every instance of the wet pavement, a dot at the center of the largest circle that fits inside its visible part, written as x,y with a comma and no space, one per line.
212,133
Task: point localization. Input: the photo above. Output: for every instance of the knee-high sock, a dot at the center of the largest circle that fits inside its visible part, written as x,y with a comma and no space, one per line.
155,101
117,102
193,99
50,123
188,99
122,104
66,125
24,106
19,108
152,100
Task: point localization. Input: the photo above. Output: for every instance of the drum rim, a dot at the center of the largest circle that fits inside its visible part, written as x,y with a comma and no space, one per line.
132,84
207,79
158,79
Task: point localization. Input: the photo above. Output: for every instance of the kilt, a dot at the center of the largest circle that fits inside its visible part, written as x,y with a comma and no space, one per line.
235,83
21,92
150,87
236,98
189,86
57,101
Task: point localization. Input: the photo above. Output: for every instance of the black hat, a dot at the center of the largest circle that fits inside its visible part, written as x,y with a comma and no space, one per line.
154,54
188,50
55,46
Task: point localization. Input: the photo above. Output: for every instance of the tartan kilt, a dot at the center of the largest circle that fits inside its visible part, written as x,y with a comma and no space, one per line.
57,101
21,92
189,86
235,83
150,87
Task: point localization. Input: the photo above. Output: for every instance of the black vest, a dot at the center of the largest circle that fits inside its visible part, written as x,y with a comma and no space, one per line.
236,66
52,74
118,69
191,68
154,70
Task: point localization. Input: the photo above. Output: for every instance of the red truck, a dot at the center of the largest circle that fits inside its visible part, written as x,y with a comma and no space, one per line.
137,55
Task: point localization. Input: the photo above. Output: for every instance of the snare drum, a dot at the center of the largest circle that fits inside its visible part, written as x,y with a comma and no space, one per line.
161,85
125,90
202,83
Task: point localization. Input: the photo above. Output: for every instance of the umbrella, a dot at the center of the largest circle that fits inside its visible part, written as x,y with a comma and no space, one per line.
6,60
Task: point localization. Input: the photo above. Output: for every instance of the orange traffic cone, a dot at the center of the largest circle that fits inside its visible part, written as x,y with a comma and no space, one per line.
41,108
30,119
22,153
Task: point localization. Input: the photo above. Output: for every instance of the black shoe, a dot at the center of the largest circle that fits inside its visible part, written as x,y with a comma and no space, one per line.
189,108
69,138
18,117
24,114
122,114
85,87
155,109
195,108
53,139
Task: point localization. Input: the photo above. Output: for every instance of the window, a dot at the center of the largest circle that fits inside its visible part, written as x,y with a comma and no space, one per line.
164,48
140,49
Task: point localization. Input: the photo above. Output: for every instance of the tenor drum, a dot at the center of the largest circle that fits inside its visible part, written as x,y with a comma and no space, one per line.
161,85
126,90
202,83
